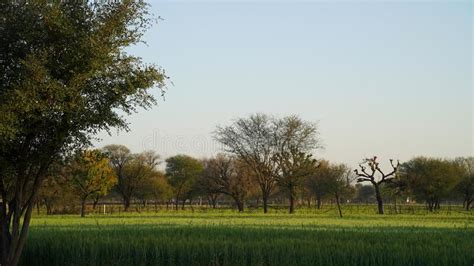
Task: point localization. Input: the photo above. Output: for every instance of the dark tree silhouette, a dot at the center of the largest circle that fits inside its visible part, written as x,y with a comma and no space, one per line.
371,172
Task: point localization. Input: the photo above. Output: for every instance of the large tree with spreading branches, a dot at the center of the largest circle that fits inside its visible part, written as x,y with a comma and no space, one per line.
65,75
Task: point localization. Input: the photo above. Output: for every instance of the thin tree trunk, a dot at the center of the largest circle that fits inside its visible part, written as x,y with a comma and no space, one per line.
5,237
430,205
212,202
12,243
83,206
378,196
94,204
49,209
265,203
318,200
338,205
395,204
240,206
126,203
292,202
18,248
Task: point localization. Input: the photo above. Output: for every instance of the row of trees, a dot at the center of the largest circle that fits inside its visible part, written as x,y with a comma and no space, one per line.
92,174
267,158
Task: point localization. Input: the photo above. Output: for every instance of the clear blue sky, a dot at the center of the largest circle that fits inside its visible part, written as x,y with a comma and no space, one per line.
382,78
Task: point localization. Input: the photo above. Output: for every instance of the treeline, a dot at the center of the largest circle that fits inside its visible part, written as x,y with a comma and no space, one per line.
267,160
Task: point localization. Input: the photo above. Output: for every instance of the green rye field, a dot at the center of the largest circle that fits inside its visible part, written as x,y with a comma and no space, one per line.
225,237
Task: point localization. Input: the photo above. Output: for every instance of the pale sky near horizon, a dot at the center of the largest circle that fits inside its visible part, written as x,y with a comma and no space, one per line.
392,79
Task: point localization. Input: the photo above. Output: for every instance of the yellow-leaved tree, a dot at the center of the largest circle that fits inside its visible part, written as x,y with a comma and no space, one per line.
89,174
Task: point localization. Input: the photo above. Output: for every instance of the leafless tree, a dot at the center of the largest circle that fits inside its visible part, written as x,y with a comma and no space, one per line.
370,172
252,140
229,176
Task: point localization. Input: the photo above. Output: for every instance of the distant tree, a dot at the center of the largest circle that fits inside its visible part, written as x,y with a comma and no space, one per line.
364,193
339,183
295,140
229,176
131,170
317,183
466,185
162,191
183,172
397,190
65,76
252,140
89,173
137,170
431,179
370,172
154,187
119,157
55,192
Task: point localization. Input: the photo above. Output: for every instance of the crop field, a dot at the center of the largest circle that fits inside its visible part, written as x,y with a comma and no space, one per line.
225,237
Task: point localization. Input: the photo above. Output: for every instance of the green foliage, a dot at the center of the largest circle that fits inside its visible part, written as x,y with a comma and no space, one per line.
134,172
466,185
364,193
154,187
183,173
56,194
318,182
64,70
90,172
431,179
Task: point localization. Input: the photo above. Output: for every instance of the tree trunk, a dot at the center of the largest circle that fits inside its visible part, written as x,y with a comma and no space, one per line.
83,207
94,204
5,239
12,243
318,201
338,205
430,205
395,204
48,207
291,208
265,202
126,203
240,206
212,201
378,196
468,204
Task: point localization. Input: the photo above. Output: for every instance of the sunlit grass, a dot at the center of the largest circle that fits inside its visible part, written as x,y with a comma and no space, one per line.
225,237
